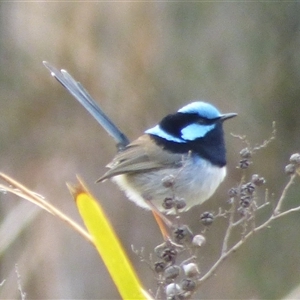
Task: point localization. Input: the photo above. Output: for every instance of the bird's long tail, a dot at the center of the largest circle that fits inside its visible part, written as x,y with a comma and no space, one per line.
80,93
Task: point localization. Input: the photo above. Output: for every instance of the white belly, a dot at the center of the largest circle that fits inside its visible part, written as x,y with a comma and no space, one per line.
196,181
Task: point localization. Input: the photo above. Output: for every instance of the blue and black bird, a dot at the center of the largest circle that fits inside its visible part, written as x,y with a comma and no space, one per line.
186,150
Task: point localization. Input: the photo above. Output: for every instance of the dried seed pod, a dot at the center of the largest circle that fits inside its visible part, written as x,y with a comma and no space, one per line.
245,201
207,218
257,180
182,234
188,284
232,192
244,163
165,252
290,169
245,153
191,270
199,240
295,159
169,254
168,181
168,203
159,266
180,203
172,272
248,188
172,289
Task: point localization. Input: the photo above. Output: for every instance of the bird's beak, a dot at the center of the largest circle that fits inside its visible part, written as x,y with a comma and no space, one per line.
227,116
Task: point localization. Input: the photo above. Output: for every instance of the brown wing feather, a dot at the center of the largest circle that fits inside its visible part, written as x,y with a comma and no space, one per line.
142,155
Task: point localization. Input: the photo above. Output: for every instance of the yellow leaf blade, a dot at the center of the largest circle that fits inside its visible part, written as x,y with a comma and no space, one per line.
108,245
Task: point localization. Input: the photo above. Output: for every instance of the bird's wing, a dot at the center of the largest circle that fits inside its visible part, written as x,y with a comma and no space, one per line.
142,155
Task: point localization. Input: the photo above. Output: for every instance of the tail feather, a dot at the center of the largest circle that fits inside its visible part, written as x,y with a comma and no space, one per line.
80,93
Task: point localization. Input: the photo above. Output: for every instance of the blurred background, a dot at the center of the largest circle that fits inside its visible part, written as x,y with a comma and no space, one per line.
142,61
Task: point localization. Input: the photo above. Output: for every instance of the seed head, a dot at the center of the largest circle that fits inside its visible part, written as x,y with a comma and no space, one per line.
244,163
167,254
199,240
183,234
172,272
257,180
168,203
245,153
295,159
180,203
248,188
290,169
207,218
173,289
232,192
188,284
245,201
168,181
159,266
191,270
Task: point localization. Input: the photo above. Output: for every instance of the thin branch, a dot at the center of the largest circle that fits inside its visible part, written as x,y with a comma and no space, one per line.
238,222
295,209
229,228
269,140
283,195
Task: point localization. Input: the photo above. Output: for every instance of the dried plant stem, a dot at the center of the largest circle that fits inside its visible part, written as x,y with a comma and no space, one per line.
22,294
283,195
227,252
23,192
269,140
229,229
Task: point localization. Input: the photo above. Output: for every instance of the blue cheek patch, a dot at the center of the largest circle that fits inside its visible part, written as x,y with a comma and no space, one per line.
195,131
189,133
161,133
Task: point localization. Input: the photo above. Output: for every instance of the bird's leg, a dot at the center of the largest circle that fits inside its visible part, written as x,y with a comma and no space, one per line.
161,220
162,225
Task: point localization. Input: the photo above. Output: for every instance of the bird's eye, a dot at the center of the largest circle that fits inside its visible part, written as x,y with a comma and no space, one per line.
202,121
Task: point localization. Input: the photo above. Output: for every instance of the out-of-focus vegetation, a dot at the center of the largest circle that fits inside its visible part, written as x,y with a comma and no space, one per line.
142,61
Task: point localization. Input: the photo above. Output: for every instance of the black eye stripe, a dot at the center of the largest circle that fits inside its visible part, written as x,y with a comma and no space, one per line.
205,121
173,124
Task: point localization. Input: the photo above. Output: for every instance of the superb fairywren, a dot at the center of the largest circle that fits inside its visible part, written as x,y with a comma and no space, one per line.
184,156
